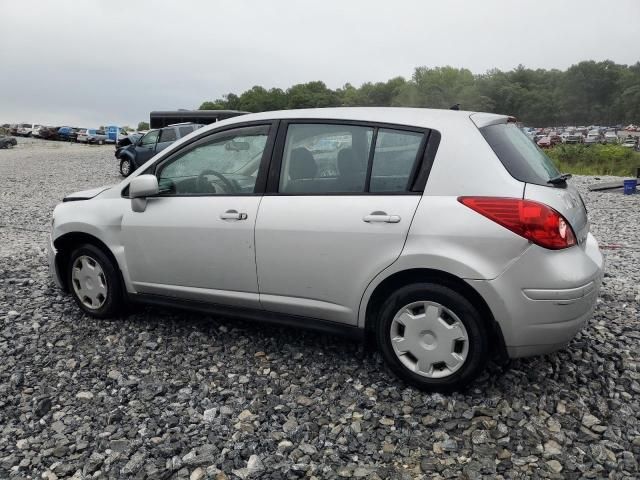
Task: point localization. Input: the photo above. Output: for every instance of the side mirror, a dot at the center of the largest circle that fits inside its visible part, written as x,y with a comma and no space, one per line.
140,188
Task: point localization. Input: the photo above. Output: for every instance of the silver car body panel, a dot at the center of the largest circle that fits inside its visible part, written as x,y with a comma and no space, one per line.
297,258
86,194
169,249
314,256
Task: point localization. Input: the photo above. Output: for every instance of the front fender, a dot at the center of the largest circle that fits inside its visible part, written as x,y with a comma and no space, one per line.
100,218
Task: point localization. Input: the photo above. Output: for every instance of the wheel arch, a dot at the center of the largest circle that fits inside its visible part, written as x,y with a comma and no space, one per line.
66,243
415,275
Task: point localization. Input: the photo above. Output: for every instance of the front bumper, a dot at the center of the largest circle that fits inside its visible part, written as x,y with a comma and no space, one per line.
545,297
53,265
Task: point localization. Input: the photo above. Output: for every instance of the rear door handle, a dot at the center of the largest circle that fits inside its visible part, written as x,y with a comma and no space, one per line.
233,215
381,217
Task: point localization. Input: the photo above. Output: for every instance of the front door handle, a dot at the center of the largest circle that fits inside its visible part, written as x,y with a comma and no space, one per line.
233,215
382,217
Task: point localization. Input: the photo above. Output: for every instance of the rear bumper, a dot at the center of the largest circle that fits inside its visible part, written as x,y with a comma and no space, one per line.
545,297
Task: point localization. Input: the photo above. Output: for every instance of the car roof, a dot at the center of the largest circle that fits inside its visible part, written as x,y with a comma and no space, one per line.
438,119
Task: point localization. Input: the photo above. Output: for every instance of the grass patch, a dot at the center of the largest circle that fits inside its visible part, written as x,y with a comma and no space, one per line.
595,159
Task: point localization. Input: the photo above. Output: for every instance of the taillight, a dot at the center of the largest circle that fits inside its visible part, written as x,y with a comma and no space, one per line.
534,221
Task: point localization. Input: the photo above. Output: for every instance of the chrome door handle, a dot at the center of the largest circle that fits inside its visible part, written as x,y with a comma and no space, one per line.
233,215
381,217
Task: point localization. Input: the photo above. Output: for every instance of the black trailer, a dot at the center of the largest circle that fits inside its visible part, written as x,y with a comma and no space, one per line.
162,118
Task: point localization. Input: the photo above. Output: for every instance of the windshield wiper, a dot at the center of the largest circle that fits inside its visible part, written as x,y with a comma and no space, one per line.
560,179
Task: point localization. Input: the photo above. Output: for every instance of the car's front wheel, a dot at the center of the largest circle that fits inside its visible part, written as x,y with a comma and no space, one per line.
94,282
432,337
125,167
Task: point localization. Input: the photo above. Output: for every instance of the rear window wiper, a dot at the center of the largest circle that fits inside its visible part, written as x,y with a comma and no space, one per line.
560,179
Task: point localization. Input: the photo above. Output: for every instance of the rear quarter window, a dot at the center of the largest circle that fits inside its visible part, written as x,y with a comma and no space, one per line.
184,131
168,135
520,156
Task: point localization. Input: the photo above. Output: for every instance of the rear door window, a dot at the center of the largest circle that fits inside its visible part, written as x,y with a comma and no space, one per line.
325,158
333,158
184,131
168,135
520,156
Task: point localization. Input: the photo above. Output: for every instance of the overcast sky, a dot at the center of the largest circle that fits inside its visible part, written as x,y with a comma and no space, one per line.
89,63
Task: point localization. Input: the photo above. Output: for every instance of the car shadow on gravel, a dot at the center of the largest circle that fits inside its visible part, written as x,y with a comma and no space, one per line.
327,352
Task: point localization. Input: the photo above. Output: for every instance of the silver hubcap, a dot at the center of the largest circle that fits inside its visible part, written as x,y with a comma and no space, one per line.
125,167
429,339
89,282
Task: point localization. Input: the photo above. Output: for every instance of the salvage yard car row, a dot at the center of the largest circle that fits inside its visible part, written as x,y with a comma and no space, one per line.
550,137
71,134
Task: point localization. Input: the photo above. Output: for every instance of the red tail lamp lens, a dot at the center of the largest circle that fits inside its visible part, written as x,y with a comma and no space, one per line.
534,221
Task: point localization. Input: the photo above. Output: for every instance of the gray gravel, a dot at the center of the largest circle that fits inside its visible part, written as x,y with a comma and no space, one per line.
162,394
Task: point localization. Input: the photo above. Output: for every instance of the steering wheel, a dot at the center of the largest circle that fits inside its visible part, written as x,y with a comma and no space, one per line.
201,182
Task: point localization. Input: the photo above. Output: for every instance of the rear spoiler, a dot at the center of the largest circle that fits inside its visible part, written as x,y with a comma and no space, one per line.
486,119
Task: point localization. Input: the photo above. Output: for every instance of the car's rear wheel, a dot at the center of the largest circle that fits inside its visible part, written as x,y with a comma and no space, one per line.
432,337
94,282
125,167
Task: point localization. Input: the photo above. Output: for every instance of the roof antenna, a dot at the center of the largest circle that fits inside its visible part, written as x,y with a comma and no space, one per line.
455,107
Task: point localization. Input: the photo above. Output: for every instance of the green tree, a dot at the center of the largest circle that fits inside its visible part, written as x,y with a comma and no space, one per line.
143,126
311,95
586,93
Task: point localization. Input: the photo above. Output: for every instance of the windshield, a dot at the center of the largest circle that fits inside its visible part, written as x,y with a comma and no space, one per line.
519,155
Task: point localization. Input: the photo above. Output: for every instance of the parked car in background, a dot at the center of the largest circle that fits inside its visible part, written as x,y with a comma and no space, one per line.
574,138
91,135
7,142
126,140
69,134
593,137
610,137
544,142
152,142
49,133
13,129
37,130
26,129
630,142
347,219
555,140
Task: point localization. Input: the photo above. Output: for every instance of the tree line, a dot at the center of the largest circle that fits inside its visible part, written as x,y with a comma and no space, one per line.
600,93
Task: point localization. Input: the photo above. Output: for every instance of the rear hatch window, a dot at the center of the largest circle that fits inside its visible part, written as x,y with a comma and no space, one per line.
519,155
527,163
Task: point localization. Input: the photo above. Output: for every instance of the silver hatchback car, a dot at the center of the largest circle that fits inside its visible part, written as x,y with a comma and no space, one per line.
445,236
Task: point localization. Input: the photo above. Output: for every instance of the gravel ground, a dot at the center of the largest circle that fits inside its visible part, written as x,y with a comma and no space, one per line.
163,394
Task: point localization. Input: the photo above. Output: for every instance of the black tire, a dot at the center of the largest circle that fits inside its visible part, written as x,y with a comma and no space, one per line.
478,343
124,171
114,300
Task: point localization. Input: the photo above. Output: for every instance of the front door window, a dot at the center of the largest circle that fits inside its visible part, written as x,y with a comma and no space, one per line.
226,164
